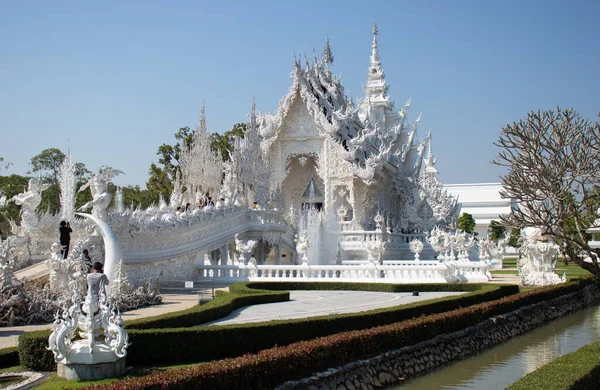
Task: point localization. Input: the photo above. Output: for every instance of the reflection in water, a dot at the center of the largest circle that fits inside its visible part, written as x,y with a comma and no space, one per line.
498,367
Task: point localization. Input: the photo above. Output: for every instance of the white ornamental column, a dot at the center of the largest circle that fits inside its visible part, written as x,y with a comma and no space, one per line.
225,255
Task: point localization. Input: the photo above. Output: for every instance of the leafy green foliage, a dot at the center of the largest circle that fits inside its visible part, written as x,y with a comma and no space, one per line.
10,186
47,162
496,231
576,370
9,357
224,143
513,241
466,223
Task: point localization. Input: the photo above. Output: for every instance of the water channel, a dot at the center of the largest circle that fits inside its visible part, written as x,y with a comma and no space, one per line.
499,367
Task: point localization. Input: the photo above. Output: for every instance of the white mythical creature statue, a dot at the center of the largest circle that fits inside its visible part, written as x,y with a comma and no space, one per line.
302,247
495,250
538,261
440,242
29,201
98,184
94,317
245,247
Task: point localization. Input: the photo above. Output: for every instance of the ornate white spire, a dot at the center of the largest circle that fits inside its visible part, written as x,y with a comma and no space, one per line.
202,123
375,60
376,89
327,56
430,161
253,115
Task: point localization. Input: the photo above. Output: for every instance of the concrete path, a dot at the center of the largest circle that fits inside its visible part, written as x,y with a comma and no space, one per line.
506,279
318,303
33,271
171,302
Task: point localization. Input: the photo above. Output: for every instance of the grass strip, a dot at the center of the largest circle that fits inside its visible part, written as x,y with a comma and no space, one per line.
576,370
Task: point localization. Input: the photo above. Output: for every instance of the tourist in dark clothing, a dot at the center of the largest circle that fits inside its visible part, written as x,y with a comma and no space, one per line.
87,260
65,237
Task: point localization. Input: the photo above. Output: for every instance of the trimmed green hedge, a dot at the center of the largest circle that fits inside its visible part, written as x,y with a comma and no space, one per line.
35,356
9,357
224,303
187,345
184,345
276,365
577,370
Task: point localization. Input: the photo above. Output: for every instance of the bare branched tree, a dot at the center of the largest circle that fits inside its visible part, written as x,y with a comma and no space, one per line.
553,159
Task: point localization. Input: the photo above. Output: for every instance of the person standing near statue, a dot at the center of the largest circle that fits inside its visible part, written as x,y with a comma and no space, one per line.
65,237
94,280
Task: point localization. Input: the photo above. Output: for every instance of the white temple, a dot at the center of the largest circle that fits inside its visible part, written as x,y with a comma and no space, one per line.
323,189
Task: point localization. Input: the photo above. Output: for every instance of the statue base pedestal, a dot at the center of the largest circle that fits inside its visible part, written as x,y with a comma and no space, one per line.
87,372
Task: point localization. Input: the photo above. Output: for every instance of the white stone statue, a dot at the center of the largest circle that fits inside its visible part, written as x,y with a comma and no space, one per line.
29,201
245,247
98,184
538,259
91,316
59,268
374,250
416,247
302,247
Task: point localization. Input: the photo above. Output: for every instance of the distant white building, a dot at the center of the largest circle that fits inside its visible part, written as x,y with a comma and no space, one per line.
483,202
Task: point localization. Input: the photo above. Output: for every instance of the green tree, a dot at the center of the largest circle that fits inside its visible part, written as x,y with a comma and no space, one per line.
466,223
159,182
48,162
11,186
552,161
169,154
496,231
224,143
513,240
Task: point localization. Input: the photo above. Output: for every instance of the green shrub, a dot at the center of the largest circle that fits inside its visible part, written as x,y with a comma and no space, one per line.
33,351
273,366
223,304
9,357
183,345
154,342
577,370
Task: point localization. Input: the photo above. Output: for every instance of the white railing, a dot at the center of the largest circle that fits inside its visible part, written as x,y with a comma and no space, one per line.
402,272
473,271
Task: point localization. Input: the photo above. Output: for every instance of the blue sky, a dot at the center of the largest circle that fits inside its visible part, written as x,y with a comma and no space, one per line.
117,79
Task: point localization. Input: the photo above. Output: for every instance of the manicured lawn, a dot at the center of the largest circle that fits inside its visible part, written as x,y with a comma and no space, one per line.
509,267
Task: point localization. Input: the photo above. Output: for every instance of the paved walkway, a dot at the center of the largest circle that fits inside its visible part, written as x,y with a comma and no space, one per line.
171,302
319,303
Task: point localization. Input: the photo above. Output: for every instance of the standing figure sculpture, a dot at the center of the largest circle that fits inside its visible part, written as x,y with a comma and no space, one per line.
29,201
98,184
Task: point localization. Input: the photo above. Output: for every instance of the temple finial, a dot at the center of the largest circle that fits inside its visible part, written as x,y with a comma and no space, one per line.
253,114
430,161
202,124
375,48
327,57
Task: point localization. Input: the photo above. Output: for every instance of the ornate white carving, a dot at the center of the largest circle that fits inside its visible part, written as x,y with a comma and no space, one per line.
416,247
201,169
67,189
98,185
538,260
29,201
